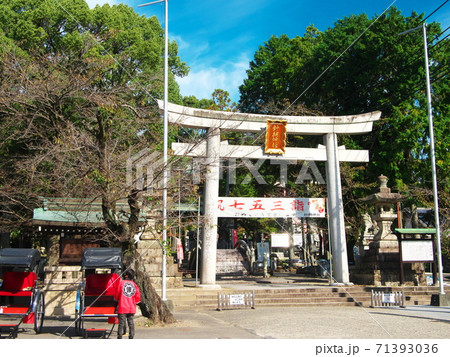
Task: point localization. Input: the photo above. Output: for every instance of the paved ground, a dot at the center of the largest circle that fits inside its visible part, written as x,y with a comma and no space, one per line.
302,331
412,322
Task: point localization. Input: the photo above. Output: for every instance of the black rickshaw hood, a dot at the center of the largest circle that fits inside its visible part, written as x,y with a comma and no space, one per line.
19,257
102,258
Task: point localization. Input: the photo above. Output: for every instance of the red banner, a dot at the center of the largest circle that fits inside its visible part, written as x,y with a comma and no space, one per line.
180,251
235,237
275,137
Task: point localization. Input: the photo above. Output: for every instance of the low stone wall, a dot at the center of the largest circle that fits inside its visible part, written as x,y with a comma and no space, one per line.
389,275
60,286
151,252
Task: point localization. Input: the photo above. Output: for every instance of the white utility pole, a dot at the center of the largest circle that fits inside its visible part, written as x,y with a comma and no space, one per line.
165,142
433,157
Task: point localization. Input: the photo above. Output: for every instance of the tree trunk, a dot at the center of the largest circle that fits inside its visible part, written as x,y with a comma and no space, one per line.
151,305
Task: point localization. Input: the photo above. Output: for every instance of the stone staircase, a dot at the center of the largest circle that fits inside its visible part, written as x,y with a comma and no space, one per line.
230,262
201,299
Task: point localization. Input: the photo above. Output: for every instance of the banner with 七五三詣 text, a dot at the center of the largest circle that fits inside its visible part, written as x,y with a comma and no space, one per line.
262,207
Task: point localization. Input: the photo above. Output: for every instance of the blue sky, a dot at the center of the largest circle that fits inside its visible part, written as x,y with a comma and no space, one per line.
218,38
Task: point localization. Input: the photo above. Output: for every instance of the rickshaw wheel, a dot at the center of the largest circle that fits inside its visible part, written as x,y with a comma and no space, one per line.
79,325
39,314
79,320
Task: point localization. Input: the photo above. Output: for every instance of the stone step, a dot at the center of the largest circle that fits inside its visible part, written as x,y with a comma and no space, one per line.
297,292
331,296
213,307
208,304
275,300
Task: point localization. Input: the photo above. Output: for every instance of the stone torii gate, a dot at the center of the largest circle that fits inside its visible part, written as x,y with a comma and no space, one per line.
329,127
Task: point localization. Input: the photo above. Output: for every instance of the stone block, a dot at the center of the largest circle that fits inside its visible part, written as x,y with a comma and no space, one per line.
63,275
171,283
74,268
152,269
172,270
149,245
440,300
153,260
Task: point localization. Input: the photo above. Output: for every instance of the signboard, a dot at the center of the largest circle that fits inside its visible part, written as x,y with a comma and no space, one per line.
275,137
264,207
262,249
281,240
417,250
237,299
388,298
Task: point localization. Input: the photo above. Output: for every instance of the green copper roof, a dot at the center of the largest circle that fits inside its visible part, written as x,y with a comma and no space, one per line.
84,211
77,211
40,214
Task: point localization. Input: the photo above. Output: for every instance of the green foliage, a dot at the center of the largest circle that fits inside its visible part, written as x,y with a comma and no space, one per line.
132,44
381,71
271,77
330,73
220,100
76,101
192,102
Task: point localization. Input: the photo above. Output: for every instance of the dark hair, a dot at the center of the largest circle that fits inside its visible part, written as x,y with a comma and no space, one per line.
128,274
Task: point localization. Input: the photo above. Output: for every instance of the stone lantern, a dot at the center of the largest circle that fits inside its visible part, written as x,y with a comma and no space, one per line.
379,265
384,241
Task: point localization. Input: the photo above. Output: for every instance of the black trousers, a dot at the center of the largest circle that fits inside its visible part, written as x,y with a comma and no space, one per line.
123,319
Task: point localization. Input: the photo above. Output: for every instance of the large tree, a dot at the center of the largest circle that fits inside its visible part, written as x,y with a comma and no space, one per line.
337,73
272,74
77,90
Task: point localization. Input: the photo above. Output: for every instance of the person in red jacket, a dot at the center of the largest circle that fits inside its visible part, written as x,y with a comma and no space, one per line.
127,296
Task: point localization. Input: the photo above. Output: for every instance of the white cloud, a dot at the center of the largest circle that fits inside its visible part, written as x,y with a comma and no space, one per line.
201,82
182,44
92,3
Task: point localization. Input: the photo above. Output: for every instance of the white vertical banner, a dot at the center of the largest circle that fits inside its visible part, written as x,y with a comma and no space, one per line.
262,207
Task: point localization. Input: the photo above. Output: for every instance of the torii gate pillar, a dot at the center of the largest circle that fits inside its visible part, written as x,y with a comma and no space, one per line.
336,223
209,243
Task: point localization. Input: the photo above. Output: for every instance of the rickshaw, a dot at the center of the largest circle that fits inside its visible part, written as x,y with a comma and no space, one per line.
95,295
21,300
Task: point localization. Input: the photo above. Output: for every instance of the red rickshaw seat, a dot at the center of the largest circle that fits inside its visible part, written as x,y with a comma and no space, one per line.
18,283
101,284
15,293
